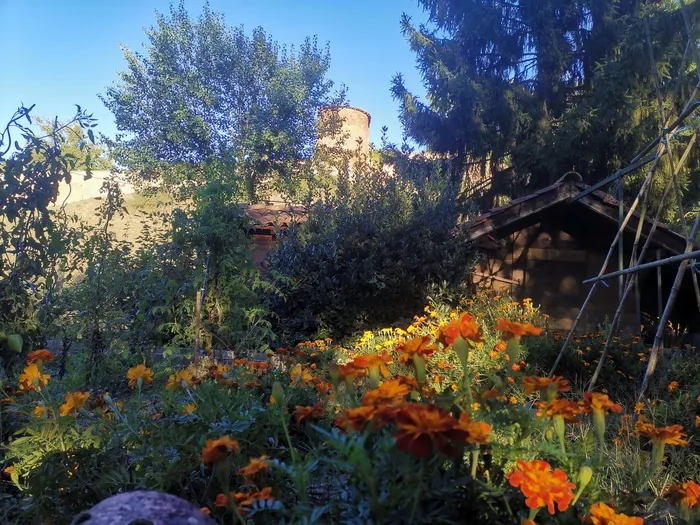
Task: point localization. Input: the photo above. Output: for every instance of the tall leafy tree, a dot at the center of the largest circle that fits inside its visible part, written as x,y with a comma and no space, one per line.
531,89
208,100
77,144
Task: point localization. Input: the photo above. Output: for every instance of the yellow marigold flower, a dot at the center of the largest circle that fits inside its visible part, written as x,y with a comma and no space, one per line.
300,375
601,514
32,378
255,467
542,486
40,355
74,402
189,408
139,373
215,450
181,380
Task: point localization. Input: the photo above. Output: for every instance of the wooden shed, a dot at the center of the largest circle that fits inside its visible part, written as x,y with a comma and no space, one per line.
269,220
543,246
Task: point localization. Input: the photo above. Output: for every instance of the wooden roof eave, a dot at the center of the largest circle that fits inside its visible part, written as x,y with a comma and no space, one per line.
520,209
663,237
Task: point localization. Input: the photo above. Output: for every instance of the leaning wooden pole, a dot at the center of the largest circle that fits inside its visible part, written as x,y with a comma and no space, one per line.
197,326
651,365
623,225
633,280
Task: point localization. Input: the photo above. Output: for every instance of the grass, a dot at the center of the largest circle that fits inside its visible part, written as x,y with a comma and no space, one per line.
126,227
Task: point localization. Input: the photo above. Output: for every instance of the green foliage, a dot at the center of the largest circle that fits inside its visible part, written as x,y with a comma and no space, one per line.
77,144
204,92
368,254
532,90
33,241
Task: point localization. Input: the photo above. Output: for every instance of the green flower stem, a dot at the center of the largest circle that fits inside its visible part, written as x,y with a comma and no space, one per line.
599,426
475,462
419,365
560,430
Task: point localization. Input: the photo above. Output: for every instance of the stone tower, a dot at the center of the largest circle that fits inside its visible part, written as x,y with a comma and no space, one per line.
355,125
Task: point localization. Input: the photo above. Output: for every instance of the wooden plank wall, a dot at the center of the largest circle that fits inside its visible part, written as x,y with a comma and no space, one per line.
548,265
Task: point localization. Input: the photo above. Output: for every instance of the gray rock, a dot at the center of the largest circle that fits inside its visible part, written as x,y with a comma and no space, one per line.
143,507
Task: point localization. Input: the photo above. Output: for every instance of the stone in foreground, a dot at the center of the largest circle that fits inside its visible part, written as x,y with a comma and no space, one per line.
143,508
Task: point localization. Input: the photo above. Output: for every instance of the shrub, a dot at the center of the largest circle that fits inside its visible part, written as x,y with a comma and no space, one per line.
368,254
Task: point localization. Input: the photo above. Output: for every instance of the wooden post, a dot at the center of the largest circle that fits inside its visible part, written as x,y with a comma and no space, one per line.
659,295
197,325
620,251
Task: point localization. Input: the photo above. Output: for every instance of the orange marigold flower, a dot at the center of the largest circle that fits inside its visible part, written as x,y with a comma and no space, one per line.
389,391
244,499
513,329
596,402
32,378
638,408
465,326
359,418
141,372
533,384
672,386
217,371
601,514
687,493
255,467
350,371
477,432
421,346
40,355
74,402
181,380
375,362
41,410
541,486
422,429
309,412
569,410
215,450
205,510
189,408
671,435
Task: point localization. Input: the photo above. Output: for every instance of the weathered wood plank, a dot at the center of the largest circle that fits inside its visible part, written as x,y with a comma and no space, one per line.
542,254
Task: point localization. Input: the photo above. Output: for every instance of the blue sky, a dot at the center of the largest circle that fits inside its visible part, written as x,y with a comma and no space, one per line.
57,53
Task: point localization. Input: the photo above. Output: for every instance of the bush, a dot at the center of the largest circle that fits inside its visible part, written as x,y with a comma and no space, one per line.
368,254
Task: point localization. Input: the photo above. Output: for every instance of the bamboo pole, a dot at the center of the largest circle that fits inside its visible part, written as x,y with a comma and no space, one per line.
659,293
197,326
633,207
653,357
634,277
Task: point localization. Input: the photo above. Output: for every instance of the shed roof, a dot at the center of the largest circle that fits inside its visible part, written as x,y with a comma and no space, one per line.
565,193
272,216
